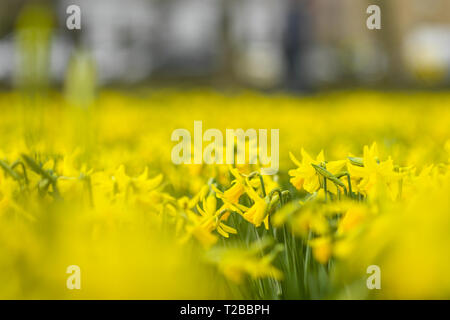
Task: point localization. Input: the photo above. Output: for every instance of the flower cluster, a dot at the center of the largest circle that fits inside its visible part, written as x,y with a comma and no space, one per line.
96,188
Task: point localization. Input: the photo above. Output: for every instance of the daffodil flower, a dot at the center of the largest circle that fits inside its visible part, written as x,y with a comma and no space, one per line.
322,248
257,213
306,176
237,189
375,173
235,263
211,218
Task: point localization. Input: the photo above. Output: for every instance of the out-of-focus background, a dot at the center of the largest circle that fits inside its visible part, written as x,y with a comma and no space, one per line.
300,45
86,141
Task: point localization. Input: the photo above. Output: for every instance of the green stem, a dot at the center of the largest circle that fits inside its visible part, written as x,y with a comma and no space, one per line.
305,268
255,173
286,196
263,188
24,169
349,180
36,168
8,170
280,195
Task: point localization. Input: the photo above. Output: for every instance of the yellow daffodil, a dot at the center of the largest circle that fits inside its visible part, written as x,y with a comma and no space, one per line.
352,218
237,189
211,218
322,249
235,263
308,220
306,176
374,174
258,212
99,200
